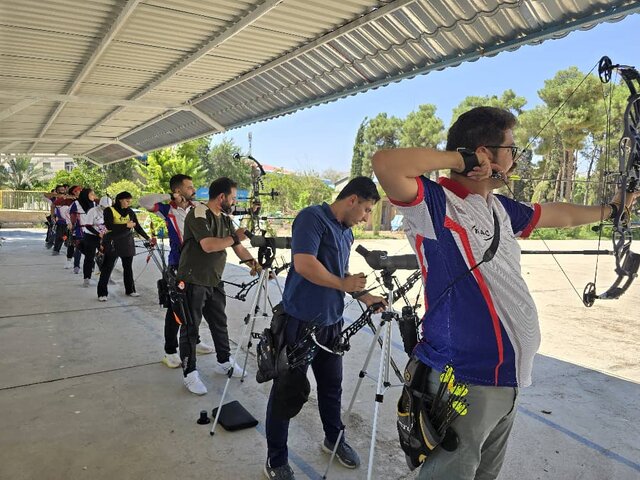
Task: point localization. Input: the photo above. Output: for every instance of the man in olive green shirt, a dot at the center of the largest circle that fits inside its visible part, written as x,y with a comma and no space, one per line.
208,231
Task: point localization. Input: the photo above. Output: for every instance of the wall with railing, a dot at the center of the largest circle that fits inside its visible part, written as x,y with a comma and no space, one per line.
28,200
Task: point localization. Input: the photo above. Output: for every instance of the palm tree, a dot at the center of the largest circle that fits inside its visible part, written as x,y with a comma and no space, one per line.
20,173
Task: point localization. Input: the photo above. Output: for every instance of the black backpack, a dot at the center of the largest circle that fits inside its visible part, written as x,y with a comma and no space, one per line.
271,350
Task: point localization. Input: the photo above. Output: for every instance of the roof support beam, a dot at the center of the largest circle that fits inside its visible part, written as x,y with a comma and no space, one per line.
6,113
307,47
91,100
86,140
7,148
215,41
130,148
203,116
97,147
375,14
118,23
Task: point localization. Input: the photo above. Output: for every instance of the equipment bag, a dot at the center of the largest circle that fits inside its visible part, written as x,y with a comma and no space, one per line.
418,437
163,293
271,350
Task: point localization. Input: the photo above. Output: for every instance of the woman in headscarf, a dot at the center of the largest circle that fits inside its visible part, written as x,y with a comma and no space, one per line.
78,213
120,221
93,231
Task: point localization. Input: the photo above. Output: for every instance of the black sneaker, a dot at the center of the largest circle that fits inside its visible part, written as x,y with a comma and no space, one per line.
283,472
347,455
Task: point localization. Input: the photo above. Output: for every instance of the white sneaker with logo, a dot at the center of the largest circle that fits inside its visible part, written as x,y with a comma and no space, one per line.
194,384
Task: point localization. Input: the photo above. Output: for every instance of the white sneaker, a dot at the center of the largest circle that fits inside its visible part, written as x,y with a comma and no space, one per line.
68,265
134,294
203,348
194,384
102,299
86,283
224,368
171,360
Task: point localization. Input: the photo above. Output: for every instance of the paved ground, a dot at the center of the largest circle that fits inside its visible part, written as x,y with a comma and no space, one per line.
83,395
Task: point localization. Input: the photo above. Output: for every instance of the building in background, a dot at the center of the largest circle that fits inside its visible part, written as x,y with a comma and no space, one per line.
49,164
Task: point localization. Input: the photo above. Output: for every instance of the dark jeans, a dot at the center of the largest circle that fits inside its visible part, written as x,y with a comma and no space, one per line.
327,369
50,238
90,246
61,232
75,253
210,303
107,268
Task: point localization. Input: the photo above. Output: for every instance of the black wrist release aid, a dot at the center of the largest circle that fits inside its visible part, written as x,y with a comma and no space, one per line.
470,160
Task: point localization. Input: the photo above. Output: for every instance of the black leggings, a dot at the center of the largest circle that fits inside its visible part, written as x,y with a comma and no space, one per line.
105,273
90,245
61,232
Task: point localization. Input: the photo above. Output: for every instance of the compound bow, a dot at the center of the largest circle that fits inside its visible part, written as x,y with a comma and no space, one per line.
627,179
628,174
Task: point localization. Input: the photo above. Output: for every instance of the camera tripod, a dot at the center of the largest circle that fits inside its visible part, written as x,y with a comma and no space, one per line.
258,308
383,333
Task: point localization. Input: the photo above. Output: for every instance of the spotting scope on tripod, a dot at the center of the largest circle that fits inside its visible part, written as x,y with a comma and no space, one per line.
407,321
379,260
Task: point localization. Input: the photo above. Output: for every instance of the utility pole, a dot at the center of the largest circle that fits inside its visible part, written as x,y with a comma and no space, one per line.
250,137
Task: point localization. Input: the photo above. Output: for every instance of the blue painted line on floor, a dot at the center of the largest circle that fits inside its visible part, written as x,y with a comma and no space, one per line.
307,469
584,441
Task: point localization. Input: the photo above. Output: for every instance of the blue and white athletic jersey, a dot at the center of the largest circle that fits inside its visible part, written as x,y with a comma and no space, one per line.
483,322
174,218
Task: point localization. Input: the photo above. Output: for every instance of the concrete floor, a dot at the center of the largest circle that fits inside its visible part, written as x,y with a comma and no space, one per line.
83,395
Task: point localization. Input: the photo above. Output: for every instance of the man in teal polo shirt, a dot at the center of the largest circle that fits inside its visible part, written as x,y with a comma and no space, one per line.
314,294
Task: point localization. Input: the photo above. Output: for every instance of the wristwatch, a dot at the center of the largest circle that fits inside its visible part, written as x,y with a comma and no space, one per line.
470,160
236,240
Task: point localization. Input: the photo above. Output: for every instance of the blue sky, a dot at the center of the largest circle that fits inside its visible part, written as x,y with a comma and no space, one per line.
322,137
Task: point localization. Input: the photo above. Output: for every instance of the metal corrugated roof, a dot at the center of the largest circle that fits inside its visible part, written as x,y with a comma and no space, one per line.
110,79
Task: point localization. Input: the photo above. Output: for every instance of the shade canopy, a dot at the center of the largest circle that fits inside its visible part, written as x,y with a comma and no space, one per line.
108,79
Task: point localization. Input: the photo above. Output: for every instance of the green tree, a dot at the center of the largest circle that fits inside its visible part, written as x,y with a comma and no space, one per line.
508,101
20,174
422,128
195,149
574,100
220,163
382,131
85,174
358,156
125,186
296,191
114,172
165,163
